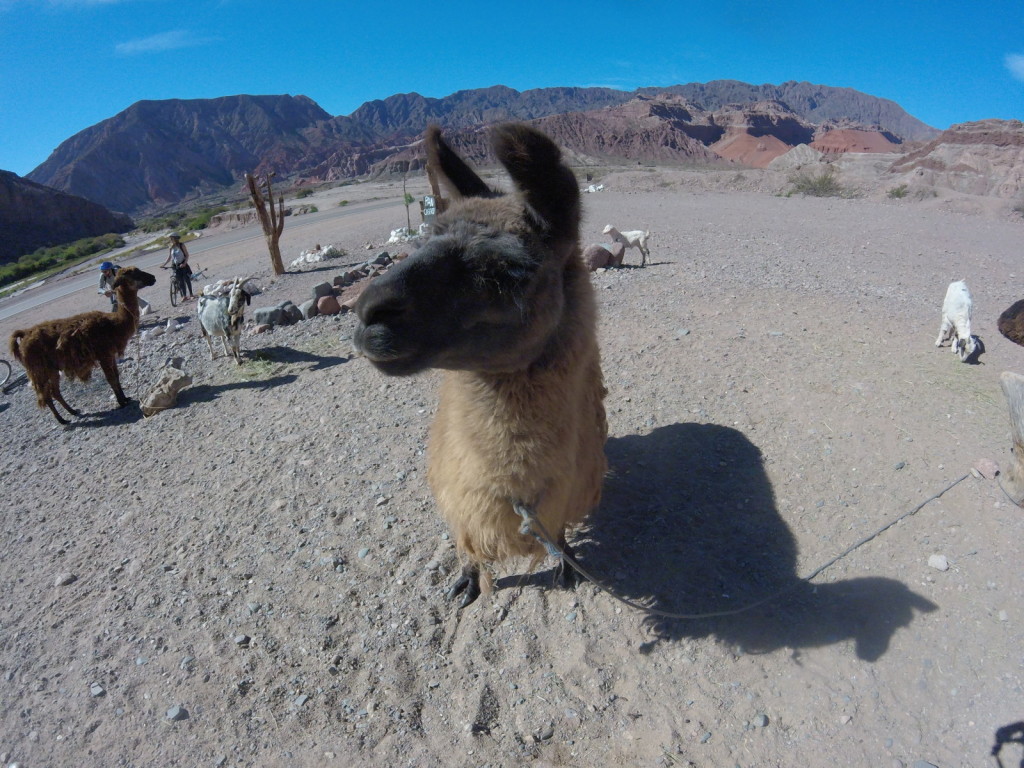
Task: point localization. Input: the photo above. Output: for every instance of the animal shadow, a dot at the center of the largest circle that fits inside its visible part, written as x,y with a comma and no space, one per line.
688,524
281,354
979,350
1008,734
113,417
207,393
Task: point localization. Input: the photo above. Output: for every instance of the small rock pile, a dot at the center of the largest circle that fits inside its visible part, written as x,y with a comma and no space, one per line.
332,298
318,254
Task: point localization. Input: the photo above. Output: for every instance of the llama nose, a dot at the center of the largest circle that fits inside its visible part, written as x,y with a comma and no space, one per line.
381,307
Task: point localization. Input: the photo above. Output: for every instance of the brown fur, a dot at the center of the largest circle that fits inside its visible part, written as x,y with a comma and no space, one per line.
74,345
500,297
1011,323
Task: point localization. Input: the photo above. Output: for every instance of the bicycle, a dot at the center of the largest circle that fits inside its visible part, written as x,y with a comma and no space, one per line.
177,289
5,374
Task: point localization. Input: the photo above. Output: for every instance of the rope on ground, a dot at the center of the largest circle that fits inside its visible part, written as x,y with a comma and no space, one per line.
542,536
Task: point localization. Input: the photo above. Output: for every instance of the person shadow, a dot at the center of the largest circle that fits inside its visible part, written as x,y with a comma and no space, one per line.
688,524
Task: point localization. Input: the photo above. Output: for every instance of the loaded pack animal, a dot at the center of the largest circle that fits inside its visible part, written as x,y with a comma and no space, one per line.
956,321
74,345
498,297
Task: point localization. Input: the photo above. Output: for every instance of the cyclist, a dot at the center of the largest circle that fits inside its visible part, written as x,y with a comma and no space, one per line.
177,255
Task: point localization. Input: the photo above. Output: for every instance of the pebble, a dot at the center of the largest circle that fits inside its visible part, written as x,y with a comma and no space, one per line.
938,562
844,719
899,465
760,721
242,639
571,616
96,690
177,713
546,732
301,699
364,552
706,737
63,579
923,764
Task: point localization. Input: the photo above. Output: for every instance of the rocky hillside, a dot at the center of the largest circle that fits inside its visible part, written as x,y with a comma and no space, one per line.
158,153
979,158
34,216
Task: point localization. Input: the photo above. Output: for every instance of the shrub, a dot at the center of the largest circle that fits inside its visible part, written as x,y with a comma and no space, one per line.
57,257
897,193
823,184
304,192
343,202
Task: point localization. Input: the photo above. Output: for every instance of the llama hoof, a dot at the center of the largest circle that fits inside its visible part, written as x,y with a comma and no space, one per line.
566,576
468,585
127,401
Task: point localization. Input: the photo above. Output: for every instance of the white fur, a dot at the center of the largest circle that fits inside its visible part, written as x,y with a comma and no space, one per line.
635,238
223,315
956,320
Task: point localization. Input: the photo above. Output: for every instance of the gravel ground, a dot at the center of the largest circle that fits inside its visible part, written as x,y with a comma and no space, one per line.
257,576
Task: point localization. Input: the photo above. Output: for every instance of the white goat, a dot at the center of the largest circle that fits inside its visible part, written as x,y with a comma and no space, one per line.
223,315
956,320
635,238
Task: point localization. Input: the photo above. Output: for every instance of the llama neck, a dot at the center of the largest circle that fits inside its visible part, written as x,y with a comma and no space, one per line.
128,308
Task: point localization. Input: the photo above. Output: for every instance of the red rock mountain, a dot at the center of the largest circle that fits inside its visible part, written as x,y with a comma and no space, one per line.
157,154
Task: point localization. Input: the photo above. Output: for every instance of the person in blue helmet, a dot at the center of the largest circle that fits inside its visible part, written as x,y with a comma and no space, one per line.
108,274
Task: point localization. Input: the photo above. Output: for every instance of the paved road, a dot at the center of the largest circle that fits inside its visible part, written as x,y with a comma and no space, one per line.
60,287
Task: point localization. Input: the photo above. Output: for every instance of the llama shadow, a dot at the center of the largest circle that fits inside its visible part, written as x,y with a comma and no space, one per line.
113,417
688,524
207,393
4,407
281,354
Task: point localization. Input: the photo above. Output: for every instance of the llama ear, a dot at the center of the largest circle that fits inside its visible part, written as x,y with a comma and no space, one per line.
457,177
535,164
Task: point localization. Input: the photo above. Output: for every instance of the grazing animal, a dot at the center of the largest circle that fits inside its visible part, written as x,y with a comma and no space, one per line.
1011,322
956,321
74,345
223,315
635,238
499,298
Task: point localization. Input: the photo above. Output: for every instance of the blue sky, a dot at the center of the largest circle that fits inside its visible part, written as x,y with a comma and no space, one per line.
68,64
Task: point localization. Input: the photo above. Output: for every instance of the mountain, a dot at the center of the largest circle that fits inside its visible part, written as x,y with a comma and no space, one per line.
985,157
34,216
159,153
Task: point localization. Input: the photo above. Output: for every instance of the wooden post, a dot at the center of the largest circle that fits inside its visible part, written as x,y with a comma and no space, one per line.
1011,479
272,221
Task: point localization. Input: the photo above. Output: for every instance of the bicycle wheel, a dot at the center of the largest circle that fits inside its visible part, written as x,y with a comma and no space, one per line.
175,288
5,372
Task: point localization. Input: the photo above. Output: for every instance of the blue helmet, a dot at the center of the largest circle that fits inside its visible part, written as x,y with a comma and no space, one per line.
106,265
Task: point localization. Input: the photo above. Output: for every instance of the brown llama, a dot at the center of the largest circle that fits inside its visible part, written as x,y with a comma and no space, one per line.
1011,322
74,345
500,299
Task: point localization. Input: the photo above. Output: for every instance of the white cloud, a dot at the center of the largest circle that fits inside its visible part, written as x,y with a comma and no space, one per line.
165,41
1015,63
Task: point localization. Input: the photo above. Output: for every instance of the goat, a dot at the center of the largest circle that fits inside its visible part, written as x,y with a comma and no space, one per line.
956,321
74,345
635,238
1011,322
223,315
498,297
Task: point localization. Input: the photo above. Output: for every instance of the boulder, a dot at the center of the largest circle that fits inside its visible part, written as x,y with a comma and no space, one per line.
290,313
328,305
322,289
262,328
165,394
268,316
596,256
350,295
308,309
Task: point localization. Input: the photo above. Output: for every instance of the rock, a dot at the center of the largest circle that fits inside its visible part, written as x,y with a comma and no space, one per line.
301,699
340,281
267,316
63,579
760,721
383,259
308,309
242,640
923,764
595,257
290,313
262,328
363,552
328,305
351,295
96,690
987,468
177,713
938,562
322,289
899,465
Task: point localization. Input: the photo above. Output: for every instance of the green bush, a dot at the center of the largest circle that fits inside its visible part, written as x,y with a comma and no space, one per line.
343,202
199,219
897,193
57,257
304,192
823,184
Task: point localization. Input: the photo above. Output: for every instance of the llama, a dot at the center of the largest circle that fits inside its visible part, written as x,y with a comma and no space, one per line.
956,321
498,297
635,238
1011,322
73,345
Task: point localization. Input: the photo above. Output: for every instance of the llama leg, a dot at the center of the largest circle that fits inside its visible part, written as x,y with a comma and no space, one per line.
51,392
114,380
565,575
468,583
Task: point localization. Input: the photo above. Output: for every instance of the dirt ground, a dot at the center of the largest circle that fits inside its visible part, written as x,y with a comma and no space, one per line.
265,563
